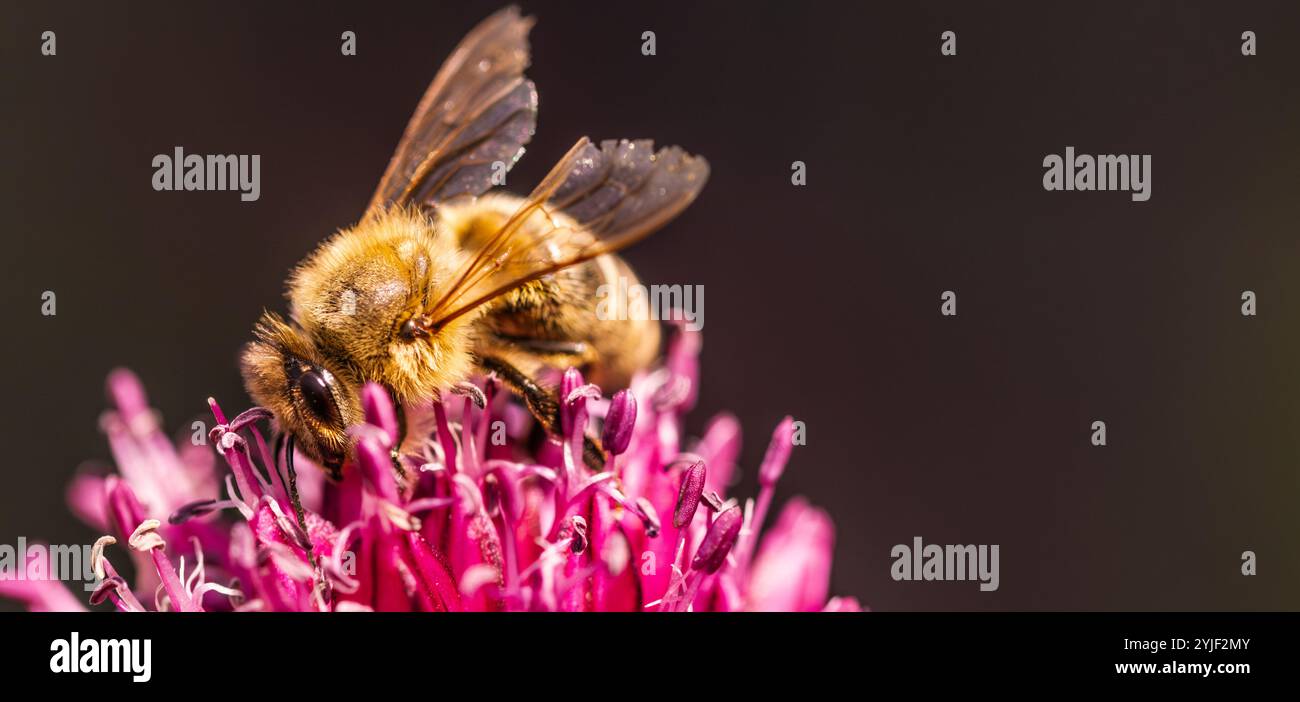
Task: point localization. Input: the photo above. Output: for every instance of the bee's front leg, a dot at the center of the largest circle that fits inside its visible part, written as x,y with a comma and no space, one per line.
396,452
542,405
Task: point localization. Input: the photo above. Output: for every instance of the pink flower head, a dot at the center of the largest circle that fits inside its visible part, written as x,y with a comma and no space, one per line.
464,515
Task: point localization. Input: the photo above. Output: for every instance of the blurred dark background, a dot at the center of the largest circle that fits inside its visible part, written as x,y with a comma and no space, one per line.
924,175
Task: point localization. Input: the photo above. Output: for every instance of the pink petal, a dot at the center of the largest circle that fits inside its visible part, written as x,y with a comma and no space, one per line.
41,595
88,497
792,570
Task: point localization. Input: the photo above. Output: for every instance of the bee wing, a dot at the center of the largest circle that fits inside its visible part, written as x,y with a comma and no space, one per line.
594,201
478,111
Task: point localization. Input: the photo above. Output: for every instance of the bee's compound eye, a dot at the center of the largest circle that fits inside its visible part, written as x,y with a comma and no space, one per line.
314,388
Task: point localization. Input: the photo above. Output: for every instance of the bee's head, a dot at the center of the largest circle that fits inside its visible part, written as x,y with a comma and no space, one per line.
313,402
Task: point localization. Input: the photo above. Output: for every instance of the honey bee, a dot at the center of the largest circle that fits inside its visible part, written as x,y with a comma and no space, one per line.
442,280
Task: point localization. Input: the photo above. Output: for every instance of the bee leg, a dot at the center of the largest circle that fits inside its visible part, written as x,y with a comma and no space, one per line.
542,405
396,453
294,497
557,353
472,391
577,350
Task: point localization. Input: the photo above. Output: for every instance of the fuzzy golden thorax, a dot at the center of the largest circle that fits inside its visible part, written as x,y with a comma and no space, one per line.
353,295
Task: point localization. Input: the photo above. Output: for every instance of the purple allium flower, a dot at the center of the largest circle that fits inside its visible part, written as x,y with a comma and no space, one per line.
455,518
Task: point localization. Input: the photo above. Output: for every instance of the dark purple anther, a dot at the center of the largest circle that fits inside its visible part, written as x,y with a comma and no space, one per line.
191,510
712,552
619,422
688,496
